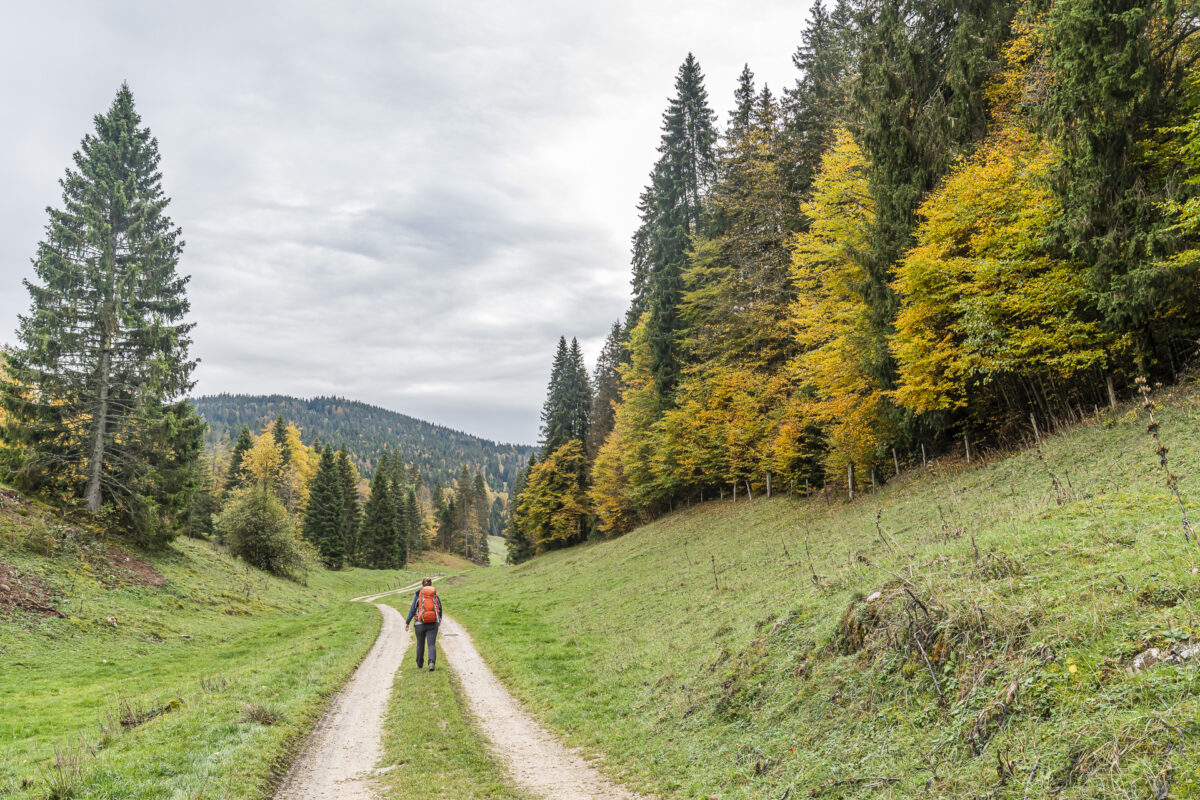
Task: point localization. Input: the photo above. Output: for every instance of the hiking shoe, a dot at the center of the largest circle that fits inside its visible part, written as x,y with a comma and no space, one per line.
431,666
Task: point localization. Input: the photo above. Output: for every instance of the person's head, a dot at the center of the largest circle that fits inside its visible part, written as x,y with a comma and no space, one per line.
427,581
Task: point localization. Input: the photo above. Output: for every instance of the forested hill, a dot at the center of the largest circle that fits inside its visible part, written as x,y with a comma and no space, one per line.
366,431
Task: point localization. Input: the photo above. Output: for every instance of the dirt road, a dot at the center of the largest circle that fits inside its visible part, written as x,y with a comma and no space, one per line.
344,749
536,760
342,755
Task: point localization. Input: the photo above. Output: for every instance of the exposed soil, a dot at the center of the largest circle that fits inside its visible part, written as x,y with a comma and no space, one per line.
26,592
536,760
115,567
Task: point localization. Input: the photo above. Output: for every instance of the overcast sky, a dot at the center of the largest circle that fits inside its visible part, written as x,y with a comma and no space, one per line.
401,203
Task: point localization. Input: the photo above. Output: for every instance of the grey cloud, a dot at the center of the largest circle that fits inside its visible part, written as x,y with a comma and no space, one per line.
404,203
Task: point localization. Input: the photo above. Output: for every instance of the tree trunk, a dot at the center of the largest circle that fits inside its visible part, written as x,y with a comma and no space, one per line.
924,461
768,484
850,480
93,494
1112,393
749,490
895,461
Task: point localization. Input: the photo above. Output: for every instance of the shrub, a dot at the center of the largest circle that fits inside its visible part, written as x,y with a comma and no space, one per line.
258,529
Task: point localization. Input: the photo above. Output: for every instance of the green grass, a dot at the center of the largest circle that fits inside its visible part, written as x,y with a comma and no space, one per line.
430,738
497,550
782,685
217,636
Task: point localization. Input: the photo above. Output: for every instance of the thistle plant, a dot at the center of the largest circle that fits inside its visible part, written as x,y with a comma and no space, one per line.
1189,533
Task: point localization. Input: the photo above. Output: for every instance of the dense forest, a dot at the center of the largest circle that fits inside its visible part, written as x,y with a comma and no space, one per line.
366,431
960,226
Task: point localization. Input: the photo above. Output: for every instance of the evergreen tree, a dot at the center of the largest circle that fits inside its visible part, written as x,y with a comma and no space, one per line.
568,398
1120,70
817,103
351,509
671,211
556,421
379,530
280,432
103,352
233,477
413,524
606,380
495,525
579,406
520,547
738,291
324,517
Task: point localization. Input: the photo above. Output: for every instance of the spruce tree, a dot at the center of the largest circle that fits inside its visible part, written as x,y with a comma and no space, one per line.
413,524
672,212
324,517
351,510
1120,70
556,419
520,546
233,477
579,397
91,388
817,102
606,380
280,432
379,532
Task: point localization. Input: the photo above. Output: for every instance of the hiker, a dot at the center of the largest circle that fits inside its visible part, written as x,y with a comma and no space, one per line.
427,608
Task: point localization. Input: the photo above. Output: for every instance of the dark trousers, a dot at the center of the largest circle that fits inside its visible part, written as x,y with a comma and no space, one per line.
426,633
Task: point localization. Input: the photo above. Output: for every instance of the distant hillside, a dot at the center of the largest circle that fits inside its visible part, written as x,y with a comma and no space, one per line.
366,431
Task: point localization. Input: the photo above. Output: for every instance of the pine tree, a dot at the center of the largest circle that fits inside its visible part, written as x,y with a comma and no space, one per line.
103,352
671,212
233,477
324,517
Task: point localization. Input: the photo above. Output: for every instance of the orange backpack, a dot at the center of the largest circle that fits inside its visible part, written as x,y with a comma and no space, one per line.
427,605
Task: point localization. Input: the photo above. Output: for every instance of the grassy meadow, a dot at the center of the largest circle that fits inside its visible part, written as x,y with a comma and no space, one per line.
966,631
181,674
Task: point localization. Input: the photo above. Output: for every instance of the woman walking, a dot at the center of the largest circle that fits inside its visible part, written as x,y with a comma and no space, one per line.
427,608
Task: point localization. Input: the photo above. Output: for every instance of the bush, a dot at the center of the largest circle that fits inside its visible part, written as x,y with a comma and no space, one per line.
258,529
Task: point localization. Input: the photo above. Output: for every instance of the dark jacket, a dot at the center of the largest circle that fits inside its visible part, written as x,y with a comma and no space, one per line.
412,612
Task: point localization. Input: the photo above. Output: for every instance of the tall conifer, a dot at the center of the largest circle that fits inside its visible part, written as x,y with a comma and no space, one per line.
233,478
93,385
324,517
672,210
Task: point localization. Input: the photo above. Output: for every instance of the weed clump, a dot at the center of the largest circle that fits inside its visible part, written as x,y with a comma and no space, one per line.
261,713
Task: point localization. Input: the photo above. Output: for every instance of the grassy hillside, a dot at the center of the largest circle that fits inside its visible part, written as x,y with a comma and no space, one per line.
183,674
497,550
367,431
967,631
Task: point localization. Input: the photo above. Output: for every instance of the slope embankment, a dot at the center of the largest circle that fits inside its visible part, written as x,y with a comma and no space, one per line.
970,630
175,674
